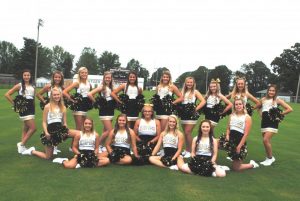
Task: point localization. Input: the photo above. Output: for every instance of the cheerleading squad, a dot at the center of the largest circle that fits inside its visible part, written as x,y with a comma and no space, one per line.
153,138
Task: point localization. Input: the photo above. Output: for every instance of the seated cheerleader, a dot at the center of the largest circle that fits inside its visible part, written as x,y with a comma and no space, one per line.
204,154
119,141
105,104
147,130
172,141
237,131
85,148
130,106
213,98
24,105
269,126
54,125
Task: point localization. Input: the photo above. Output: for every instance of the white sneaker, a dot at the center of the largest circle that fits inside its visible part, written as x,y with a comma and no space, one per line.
228,158
268,161
21,147
100,149
214,174
183,153
103,149
255,165
59,160
187,155
77,166
28,151
161,153
57,150
173,167
223,167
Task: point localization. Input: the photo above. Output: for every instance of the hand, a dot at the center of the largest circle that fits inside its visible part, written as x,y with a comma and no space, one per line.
137,156
227,137
193,155
48,136
238,149
173,158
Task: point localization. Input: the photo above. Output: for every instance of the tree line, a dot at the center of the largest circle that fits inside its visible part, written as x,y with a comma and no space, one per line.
284,72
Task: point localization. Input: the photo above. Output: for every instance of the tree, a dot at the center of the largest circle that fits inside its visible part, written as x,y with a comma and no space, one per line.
67,65
44,62
155,77
107,61
8,57
134,65
62,61
224,74
180,80
88,59
287,65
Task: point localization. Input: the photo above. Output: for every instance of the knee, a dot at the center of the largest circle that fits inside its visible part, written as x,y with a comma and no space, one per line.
266,140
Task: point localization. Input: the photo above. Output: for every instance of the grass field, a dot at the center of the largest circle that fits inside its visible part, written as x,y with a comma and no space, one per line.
31,178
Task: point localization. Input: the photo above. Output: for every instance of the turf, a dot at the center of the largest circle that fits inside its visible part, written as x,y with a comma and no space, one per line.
31,178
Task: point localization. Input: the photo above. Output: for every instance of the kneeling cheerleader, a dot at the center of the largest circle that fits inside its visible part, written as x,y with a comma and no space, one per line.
172,141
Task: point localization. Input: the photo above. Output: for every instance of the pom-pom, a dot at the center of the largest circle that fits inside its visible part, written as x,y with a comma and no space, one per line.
42,104
116,155
187,111
231,151
140,101
124,98
87,159
167,161
80,103
249,109
223,143
20,104
167,104
57,135
157,104
275,114
201,166
100,102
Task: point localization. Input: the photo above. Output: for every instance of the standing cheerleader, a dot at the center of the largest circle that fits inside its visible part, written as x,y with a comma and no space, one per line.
189,111
164,92
105,104
204,154
82,87
240,90
237,131
269,125
57,81
147,130
172,141
85,147
130,104
119,141
213,98
54,126
24,105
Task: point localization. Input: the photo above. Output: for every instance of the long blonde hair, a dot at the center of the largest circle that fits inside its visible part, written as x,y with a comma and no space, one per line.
61,104
161,78
208,93
235,89
104,83
79,70
185,89
167,129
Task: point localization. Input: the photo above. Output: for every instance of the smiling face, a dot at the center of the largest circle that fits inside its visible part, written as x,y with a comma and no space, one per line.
189,83
83,74
165,79
271,92
57,78
88,125
205,128
122,121
172,123
240,85
107,79
213,87
56,95
147,112
26,76
132,78
238,105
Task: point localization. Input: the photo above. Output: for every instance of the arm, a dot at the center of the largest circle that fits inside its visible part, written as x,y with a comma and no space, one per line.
202,100
248,124
158,131
157,147
114,93
11,91
180,145
228,128
44,123
227,102
97,143
215,153
254,100
287,107
67,90
64,120
109,141
93,92
229,95
133,143
178,94
45,89
136,130
75,146
140,90
193,152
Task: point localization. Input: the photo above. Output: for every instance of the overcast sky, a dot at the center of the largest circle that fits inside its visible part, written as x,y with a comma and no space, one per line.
180,35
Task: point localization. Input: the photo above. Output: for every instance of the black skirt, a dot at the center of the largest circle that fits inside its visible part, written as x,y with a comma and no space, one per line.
87,159
267,123
201,165
167,158
109,109
210,115
235,138
30,108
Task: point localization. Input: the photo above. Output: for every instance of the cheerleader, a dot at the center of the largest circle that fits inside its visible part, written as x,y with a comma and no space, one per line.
85,148
269,127
213,98
240,90
54,126
106,109
147,130
132,90
119,141
166,87
172,141
82,87
189,118
204,154
238,129
57,81
26,112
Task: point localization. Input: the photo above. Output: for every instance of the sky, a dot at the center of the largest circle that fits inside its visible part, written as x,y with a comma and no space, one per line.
180,35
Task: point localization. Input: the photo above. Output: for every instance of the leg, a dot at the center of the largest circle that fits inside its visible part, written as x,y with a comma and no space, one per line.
267,136
71,164
131,124
107,126
183,166
103,161
163,124
238,166
188,129
126,160
30,124
24,131
79,121
47,155
155,160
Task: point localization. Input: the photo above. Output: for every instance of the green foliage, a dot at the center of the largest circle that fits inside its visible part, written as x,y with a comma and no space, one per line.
107,61
134,65
8,57
62,61
88,59
224,74
155,77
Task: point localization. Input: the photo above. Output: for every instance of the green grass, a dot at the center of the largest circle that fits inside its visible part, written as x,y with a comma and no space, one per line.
31,178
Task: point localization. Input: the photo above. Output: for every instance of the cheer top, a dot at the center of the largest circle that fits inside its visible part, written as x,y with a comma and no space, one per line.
244,98
169,140
106,93
28,93
87,142
54,116
268,104
121,140
188,98
203,147
163,91
132,91
147,128
238,123
212,101
49,92
84,89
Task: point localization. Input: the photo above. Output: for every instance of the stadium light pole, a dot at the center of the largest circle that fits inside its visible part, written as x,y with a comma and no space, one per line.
156,76
40,23
296,99
206,80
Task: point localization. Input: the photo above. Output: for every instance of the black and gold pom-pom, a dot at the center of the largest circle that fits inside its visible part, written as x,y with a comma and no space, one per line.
275,114
201,166
140,101
116,155
167,161
100,102
249,109
124,98
167,104
87,159
156,101
20,104
187,111
231,151
42,104
223,143
77,101
57,135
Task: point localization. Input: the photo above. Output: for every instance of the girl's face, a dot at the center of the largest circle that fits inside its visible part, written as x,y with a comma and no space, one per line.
57,78
107,79
205,128
83,74
238,105
271,92
240,85
147,112
189,83
166,79
87,125
213,87
172,123
132,78
122,121
56,95
26,76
